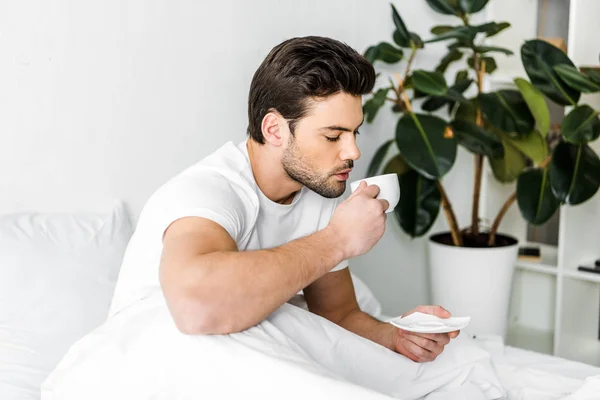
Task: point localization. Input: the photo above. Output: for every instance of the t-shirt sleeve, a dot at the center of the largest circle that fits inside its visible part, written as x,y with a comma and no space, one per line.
207,195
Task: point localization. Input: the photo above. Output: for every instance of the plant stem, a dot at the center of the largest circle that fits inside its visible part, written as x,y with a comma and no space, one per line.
545,163
499,217
506,206
411,59
480,70
450,216
476,194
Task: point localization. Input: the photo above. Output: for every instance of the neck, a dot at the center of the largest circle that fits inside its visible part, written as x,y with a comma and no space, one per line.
271,178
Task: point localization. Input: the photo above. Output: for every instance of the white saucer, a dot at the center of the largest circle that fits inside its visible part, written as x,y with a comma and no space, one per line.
427,323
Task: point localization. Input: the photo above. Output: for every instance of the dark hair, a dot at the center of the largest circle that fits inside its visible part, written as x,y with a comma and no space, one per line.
303,68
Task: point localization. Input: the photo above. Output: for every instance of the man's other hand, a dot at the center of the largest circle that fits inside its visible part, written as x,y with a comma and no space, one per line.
423,347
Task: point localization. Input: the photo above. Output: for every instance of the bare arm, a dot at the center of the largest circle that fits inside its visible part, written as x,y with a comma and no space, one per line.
210,287
333,297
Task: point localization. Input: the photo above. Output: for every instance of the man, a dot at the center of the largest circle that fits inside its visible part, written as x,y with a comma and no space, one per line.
237,235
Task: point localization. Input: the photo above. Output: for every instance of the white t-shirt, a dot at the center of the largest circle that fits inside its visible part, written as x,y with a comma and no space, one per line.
221,187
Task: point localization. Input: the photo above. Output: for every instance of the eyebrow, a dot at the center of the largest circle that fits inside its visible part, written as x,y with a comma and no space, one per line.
341,128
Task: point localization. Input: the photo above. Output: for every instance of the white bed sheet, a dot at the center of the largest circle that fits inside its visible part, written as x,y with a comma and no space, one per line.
527,375
139,355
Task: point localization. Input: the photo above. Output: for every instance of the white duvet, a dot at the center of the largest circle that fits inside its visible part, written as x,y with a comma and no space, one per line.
293,354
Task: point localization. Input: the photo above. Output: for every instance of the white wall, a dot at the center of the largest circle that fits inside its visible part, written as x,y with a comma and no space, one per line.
108,99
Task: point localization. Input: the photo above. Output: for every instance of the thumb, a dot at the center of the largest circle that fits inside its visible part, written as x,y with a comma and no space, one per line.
360,187
438,311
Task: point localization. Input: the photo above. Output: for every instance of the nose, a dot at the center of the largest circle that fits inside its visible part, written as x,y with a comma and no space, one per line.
350,150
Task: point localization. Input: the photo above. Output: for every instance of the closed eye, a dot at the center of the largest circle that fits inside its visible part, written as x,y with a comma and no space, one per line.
332,139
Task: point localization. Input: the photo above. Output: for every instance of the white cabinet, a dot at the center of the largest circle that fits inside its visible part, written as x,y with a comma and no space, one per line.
554,307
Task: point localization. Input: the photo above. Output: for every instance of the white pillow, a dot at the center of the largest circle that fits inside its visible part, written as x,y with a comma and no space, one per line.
57,277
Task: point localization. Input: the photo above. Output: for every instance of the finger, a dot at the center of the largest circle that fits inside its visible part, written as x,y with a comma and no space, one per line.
385,204
438,311
440,338
371,191
419,353
454,334
359,189
425,343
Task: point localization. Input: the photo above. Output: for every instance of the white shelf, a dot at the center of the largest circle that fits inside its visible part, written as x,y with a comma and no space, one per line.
558,303
582,276
530,338
539,268
548,260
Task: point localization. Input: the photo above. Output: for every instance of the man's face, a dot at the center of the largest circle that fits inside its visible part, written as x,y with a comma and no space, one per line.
322,150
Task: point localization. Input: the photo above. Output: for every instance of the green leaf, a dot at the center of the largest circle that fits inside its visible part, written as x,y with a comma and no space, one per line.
508,168
452,56
472,6
490,64
493,49
507,111
462,76
594,76
539,59
581,125
378,158
454,95
434,103
419,203
415,40
534,196
533,145
432,83
490,28
384,52
575,79
537,105
372,54
467,111
444,7
397,165
461,33
372,106
574,172
420,138
401,29
389,53
439,29
476,139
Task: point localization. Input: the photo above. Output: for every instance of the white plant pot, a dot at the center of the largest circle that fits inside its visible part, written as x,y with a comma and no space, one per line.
474,282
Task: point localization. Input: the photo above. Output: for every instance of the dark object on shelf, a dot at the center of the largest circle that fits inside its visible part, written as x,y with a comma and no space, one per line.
530,253
595,269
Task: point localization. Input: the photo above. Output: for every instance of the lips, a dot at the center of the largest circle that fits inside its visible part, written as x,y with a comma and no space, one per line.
343,175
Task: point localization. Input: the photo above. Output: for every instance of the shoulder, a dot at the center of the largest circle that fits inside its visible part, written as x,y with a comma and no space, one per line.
216,188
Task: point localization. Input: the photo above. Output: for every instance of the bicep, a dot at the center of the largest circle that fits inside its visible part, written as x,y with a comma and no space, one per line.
187,239
332,296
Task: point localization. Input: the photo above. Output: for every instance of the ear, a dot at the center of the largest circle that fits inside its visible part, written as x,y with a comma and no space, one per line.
272,128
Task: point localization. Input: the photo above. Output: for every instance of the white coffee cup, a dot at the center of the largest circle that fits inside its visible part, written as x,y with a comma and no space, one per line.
389,188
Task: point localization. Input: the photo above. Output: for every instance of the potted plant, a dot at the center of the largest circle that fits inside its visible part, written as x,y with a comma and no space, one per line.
470,268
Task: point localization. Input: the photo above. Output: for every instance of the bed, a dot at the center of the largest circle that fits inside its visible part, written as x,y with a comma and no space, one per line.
57,274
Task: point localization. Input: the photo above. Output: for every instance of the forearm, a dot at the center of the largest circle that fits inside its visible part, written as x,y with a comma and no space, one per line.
368,327
232,291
